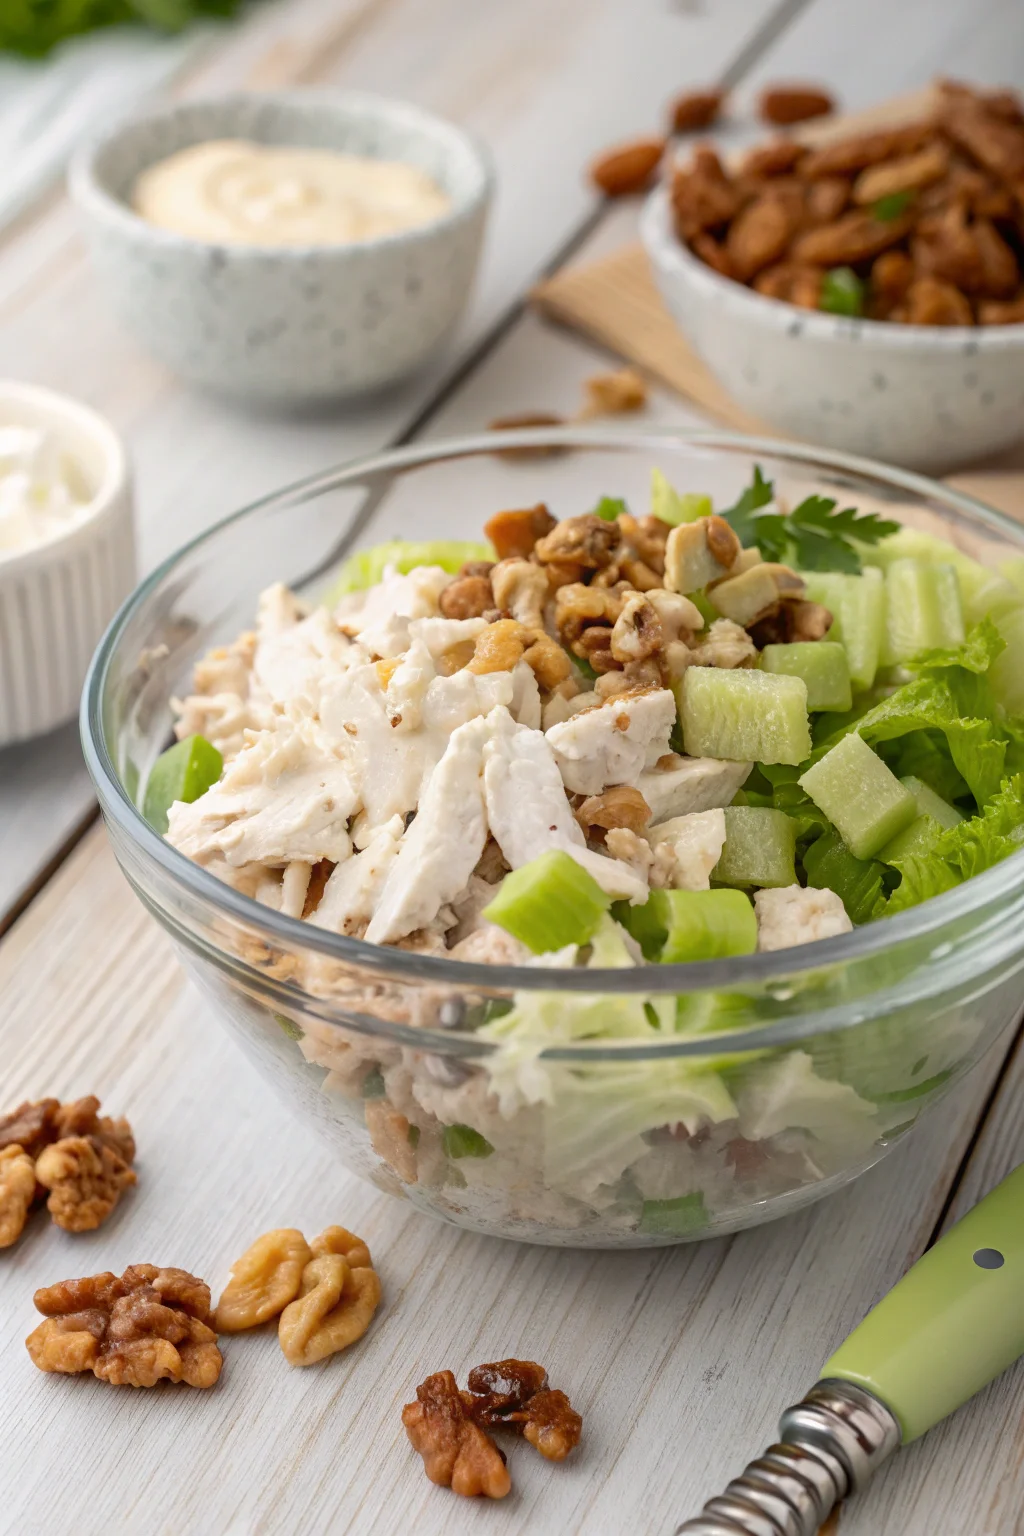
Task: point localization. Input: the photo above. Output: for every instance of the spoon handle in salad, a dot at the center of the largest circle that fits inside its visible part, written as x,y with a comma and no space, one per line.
952,1324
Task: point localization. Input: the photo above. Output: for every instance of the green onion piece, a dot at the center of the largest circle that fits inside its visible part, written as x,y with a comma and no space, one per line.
366,568
890,207
184,772
373,1084
548,903
842,292
413,1136
680,926
685,1214
610,507
463,1141
287,1026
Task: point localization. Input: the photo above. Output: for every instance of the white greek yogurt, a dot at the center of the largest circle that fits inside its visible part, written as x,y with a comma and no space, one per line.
42,491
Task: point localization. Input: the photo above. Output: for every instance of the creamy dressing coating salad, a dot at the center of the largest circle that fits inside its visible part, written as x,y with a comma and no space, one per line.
611,741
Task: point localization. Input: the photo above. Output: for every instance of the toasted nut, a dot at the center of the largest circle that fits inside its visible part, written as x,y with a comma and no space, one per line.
620,806
264,1280
340,1240
792,282
637,631
761,233
795,619
152,1324
499,647
726,645
613,394
17,1192
85,1177
1000,274
891,275
520,588
699,552
703,196
334,1308
498,1388
694,110
785,104
1011,313
467,597
389,1138
585,540
519,423
826,199
713,254
933,302
30,1127
640,575
907,174
628,167
551,666
515,533
647,536
775,158
550,1424
577,607
857,236
847,156
595,646
456,1453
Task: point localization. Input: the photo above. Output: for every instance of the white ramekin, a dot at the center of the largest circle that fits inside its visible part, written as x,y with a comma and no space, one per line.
57,598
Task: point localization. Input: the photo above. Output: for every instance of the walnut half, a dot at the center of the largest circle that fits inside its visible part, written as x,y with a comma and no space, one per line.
457,1453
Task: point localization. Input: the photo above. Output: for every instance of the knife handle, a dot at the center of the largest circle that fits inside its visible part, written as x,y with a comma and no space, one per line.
953,1323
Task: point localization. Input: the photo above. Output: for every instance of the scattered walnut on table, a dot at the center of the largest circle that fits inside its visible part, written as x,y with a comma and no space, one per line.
456,1452
695,110
17,1192
782,105
82,1158
264,1280
519,423
550,1424
627,168
30,1126
496,1389
151,1324
613,394
338,1296
85,1176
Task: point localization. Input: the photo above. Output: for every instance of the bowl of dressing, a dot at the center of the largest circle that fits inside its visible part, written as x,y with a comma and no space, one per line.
286,248
67,552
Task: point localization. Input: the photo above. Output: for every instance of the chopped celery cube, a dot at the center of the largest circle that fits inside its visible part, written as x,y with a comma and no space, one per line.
1006,674
548,903
366,568
922,610
929,803
184,772
857,606
914,841
859,795
744,716
463,1141
609,508
982,591
684,1214
830,866
760,847
823,666
680,926
670,507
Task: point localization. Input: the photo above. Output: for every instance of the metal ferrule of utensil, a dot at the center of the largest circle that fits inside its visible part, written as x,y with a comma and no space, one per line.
953,1323
832,1443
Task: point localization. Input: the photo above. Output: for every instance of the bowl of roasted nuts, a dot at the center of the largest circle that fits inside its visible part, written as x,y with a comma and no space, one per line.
866,294
634,860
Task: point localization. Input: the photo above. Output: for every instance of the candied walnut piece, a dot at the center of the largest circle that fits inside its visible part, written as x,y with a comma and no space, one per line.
620,806
694,110
17,1192
637,632
151,1324
85,1177
499,647
334,1308
584,540
497,1388
578,608
761,233
613,394
795,619
264,1280
550,664
30,1126
933,302
785,104
81,1117
515,533
467,597
550,1424
703,196
627,168
456,1453
389,1137
321,872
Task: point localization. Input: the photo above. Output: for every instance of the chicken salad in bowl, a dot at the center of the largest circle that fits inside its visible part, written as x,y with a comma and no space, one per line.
504,850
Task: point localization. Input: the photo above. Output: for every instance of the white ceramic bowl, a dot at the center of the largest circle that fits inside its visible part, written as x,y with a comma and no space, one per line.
287,324
926,397
57,598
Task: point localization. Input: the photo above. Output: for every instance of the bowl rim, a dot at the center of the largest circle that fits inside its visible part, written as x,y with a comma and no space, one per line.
111,488
91,193
670,255
399,965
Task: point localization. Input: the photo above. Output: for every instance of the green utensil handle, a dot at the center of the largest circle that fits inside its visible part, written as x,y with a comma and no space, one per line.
953,1323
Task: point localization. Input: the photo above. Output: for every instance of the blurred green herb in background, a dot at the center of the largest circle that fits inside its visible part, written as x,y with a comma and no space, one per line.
33,27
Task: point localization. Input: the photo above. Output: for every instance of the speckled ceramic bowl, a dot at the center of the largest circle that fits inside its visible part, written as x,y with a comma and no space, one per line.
289,324
926,397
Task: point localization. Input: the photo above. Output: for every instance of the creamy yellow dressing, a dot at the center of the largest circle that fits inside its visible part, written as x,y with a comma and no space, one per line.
233,191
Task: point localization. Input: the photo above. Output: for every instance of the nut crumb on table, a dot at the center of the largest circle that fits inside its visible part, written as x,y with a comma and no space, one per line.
151,1324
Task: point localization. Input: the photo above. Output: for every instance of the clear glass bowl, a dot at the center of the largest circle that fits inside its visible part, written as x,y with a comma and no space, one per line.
773,1079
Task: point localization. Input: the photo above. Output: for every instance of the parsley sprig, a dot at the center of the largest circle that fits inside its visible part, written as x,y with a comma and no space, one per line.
813,537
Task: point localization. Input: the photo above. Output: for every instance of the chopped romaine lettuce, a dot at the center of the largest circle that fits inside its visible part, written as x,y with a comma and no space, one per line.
366,568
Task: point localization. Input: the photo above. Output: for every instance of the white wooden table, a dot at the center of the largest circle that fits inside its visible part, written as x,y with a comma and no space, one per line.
681,1360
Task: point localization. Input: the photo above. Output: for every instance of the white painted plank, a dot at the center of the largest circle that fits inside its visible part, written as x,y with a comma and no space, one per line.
680,1359
546,86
